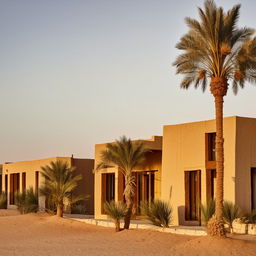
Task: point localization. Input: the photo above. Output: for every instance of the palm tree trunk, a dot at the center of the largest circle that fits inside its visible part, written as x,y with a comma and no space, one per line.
219,87
127,218
60,210
117,223
219,156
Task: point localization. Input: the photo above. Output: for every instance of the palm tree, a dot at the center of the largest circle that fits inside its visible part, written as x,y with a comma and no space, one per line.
126,155
216,49
59,184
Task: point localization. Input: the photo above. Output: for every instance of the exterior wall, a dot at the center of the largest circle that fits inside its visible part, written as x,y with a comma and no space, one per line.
245,160
184,150
85,186
84,166
152,162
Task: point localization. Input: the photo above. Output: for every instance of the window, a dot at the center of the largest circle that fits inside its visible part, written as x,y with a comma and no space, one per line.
36,181
192,195
6,183
210,184
253,188
23,182
1,189
108,188
14,186
210,146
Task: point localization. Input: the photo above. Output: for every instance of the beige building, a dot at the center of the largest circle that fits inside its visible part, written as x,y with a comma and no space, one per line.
189,167
181,169
109,183
20,176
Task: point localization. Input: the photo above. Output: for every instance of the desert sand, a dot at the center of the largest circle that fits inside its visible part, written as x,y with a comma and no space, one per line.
42,234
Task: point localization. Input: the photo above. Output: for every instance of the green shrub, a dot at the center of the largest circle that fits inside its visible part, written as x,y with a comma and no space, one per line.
158,212
27,201
78,208
230,213
250,217
3,200
116,211
207,211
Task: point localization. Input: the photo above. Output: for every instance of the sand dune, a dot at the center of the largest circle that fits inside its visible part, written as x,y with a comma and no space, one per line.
41,234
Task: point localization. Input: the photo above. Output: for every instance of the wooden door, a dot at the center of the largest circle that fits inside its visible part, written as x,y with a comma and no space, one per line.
192,195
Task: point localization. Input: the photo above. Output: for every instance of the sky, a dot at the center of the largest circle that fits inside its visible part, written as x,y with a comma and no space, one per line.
77,73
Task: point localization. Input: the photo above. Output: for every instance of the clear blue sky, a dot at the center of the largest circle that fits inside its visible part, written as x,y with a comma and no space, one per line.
77,73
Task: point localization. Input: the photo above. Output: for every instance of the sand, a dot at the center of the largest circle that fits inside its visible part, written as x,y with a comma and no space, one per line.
41,234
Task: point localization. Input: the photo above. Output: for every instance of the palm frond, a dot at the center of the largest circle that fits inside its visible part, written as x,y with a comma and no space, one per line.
216,44
60,181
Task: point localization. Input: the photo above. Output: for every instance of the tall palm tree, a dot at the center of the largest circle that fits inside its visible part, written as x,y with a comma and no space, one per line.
126,155
59,184
215,49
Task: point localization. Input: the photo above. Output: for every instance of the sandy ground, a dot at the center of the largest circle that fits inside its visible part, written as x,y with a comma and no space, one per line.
41,234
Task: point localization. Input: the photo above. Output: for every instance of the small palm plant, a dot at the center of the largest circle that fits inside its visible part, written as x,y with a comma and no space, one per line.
60,181
250,217
126,155
116,211
3,200
207,211
230,213
158,212
27,201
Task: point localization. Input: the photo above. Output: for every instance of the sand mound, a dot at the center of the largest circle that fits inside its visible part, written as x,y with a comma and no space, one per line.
215,246
43,234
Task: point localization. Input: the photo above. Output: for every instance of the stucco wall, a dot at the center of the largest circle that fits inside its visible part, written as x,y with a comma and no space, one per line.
184,149
245,160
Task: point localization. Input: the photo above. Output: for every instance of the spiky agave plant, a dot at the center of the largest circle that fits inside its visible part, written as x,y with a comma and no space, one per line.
158,212
230,212
3,200
27,201
250,216
116,211
215,49
207,211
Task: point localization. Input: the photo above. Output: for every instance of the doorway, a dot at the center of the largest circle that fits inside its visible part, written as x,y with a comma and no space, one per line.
192,195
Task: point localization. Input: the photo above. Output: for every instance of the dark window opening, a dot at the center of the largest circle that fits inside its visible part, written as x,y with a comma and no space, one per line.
14,186
210,184
253,188
108,188
210,146
23,182
36,181
6,183
192,195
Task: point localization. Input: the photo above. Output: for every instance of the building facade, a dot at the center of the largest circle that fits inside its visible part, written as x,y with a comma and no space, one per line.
189,166
19,176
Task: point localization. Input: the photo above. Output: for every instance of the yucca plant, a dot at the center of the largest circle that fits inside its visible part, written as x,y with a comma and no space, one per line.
60,181
250,217
116,211
126,155
27,201
230,212
207,211
3,200
158,212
